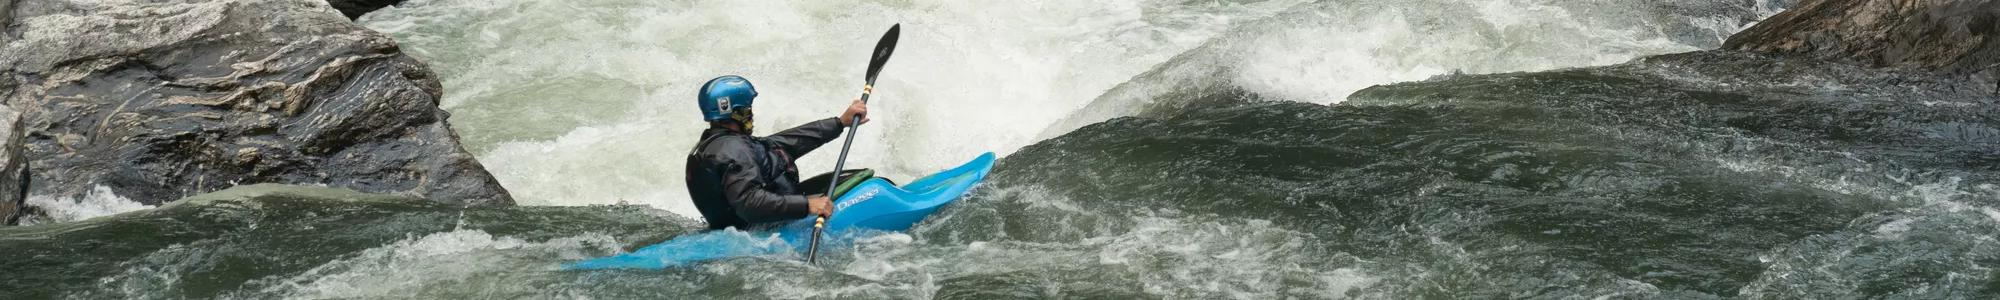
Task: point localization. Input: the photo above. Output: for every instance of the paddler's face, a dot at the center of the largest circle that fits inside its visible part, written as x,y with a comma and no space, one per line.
742,115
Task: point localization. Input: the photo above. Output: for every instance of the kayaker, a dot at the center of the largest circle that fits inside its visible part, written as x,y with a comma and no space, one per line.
739,180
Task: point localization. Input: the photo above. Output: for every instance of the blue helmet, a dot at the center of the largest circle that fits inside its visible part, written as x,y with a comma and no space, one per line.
723,95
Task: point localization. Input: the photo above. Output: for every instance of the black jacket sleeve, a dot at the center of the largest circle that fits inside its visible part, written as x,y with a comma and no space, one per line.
800,140
754,202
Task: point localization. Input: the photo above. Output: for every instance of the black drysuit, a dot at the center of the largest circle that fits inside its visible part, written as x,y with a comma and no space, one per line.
738,180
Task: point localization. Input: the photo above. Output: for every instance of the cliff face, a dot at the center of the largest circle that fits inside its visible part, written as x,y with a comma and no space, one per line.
1949,37
159,100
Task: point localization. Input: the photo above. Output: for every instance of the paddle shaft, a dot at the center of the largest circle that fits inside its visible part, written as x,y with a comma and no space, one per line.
838,166
875,61
841,164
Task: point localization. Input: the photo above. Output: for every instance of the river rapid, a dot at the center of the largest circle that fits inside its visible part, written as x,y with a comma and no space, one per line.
1150,149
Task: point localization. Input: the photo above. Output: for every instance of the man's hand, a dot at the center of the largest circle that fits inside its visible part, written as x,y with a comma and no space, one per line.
857,108
819,205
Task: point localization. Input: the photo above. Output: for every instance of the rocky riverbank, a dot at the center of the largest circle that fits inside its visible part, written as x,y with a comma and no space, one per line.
160,100
1952,38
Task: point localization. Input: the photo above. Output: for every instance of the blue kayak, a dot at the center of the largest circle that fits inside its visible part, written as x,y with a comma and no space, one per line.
875,204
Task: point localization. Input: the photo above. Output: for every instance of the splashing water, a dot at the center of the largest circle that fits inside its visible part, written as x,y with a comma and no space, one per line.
1696,175
100,201
587,102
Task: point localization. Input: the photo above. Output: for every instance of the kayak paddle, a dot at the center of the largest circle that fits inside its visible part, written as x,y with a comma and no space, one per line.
882,50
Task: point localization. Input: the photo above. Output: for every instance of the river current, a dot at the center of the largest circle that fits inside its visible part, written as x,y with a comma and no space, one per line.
1150,149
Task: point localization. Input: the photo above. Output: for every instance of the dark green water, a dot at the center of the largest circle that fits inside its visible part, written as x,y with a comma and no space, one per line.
1217,171
1684,176
1693,175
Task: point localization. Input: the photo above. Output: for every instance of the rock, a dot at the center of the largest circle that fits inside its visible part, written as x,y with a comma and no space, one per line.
1950,37
6,16
163,99
353,9
12,198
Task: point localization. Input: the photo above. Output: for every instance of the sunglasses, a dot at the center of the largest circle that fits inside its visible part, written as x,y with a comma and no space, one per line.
742,115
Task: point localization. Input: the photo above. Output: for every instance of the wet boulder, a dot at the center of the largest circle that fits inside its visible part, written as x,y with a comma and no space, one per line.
353,9
159,100
1959,38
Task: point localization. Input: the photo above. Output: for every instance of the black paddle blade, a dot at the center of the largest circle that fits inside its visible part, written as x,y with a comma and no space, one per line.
882,50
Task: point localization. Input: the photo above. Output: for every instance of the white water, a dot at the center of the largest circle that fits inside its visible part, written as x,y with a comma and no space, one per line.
1161,253
436,266
1323,51
588,102
99,201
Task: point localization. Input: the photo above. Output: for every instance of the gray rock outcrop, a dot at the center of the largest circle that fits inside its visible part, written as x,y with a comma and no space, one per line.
12,164
1959,38
6,14
353,9
159,100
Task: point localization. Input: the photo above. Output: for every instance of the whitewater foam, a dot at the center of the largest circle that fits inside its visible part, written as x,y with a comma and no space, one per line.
99,201
586,102
1321,52
431,264
1147,251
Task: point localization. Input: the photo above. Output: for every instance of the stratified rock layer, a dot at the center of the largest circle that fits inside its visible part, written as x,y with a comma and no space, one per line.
1950,37
11,166
159,100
